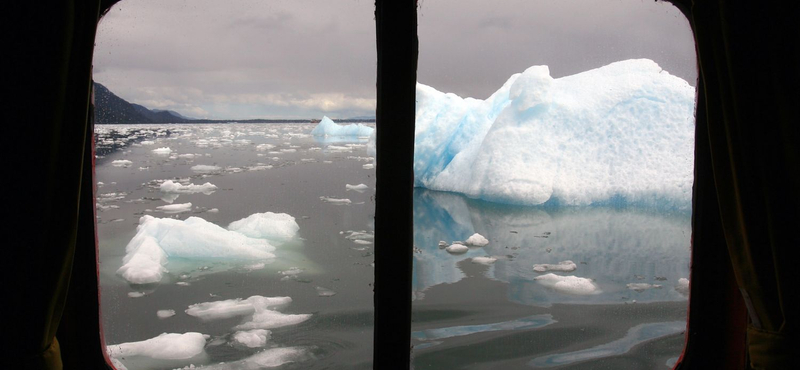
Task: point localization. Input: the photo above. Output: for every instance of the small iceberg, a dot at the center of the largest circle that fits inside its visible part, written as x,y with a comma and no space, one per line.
327,127
568,284
564,266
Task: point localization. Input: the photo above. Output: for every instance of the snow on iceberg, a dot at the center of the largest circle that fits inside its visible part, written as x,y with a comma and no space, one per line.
624,131
327,127
157,239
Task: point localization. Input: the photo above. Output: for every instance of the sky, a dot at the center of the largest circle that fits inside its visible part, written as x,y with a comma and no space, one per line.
305,59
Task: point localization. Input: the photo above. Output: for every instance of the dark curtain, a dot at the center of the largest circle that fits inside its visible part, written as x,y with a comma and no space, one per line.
749,55
47,79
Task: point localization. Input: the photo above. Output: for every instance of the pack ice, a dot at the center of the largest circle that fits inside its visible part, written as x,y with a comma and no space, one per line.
327,127
158,239
622,132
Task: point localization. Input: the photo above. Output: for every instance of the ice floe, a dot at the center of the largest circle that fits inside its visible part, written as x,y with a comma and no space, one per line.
121,163
477,240
359,188
252,338
335,200
203,168
163,314
162,151
484,260
565,266
175,208
166,350
170,186
568,284
157,239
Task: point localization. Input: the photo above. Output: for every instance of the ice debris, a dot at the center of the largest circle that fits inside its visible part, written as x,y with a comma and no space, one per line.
252,338
477,240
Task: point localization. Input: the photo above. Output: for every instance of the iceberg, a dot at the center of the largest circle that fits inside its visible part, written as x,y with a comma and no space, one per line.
170,186
158,239
327,127
619,133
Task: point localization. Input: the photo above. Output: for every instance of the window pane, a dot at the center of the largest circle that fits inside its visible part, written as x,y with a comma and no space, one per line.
552,212
235,219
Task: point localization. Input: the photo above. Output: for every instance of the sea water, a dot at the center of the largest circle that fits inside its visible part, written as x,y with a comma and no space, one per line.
487,307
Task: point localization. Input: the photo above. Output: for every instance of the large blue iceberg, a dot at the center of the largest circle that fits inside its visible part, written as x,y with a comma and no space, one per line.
620,133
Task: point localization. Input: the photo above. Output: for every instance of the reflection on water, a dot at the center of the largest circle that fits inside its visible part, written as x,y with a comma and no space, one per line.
531,322
636,335
613,247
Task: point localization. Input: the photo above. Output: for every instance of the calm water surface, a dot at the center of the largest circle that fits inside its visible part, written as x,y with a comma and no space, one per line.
466,315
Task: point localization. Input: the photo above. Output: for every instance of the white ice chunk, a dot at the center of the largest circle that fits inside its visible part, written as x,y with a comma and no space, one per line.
683,286
457,249
252,338
327,127
484,260
269,358
477,240
359,188
121,163
335,200
565,266
568,284
157,239
170,186
162,151
235,307
272,226
175,208
167,346
203,168
640,287
163,314
325,292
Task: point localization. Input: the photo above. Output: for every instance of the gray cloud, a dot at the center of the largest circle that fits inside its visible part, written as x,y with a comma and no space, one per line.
303,58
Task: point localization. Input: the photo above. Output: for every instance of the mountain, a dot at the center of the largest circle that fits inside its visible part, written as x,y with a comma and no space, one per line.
110,108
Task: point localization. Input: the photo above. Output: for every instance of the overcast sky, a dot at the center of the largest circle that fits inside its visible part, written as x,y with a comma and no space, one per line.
306,59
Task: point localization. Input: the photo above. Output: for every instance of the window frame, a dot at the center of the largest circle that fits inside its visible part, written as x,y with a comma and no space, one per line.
716,319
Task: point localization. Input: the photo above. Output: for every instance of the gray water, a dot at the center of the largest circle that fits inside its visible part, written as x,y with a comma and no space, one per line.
466,315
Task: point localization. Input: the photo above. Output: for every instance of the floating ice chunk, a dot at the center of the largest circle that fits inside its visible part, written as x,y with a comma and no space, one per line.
268,319
121,163
477,240
147,142
136,294
360,235
484,260
683,286
269,358
186,156
565,266
264,147
260,167
623,131
202,168
359,188
568,284
170,186
325,292
235,307
175,208
368,166
162,151
335,200
213,210
641,287
157,239
363,242
252,338
163,314
168,347
272,226
327,127
292,271
457,249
